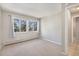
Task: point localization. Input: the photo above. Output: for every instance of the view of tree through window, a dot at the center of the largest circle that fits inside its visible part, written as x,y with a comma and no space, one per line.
35,26
16,25
32,26
20,25
23,25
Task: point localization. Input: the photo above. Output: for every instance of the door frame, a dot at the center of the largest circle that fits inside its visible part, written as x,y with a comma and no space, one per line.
67,24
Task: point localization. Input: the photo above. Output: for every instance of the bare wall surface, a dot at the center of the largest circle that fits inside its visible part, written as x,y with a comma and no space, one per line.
77,29
74,29
0,29
51,28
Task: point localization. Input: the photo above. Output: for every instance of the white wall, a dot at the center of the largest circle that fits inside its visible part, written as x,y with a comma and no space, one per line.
68,30
20,36
51,28
0,30
74,29
77,29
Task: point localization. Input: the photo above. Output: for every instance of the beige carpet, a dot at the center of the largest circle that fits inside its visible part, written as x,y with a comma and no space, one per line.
36,47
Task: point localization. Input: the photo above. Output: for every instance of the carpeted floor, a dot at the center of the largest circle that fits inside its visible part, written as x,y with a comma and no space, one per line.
36,47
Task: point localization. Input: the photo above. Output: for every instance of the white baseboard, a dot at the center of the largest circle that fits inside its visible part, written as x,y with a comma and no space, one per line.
53,41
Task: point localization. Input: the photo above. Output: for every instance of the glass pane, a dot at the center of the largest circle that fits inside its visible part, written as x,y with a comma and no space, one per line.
16,25
35,26
32,26
23,25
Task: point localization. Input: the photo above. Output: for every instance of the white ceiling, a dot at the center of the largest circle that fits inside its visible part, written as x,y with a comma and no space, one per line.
33,9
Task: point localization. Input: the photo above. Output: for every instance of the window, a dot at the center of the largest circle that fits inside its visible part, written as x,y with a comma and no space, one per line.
16,25
20,25
32,26
23,25
35,26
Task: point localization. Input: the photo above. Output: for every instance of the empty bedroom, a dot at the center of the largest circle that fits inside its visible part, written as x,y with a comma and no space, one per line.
34,29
